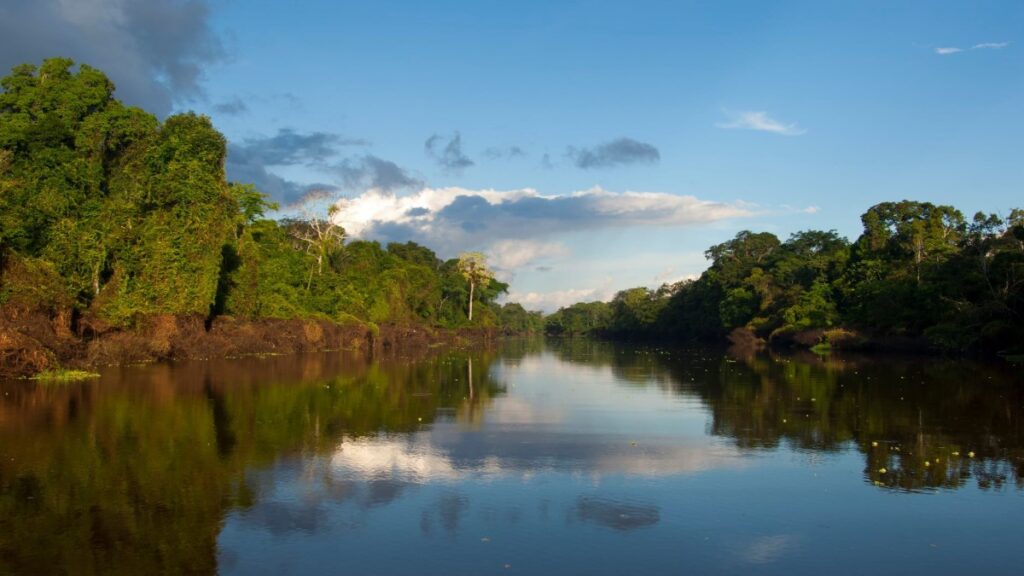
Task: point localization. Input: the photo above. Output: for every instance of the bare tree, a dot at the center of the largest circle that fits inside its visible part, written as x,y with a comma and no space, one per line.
322,238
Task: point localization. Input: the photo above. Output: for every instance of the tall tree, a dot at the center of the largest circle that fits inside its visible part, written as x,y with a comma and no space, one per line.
323,238
473,266
918,232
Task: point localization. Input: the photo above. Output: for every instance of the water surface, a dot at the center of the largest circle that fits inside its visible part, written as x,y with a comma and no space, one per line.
565,457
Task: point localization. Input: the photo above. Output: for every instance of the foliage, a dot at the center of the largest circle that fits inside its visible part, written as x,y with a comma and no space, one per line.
62,375
513,318
108,211
115,485
579,319
918,272
473,267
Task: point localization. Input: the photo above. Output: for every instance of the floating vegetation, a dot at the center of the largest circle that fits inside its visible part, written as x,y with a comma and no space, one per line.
821,348
63,376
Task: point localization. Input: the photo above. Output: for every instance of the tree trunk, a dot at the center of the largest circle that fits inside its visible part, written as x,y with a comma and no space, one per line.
472,285
918,249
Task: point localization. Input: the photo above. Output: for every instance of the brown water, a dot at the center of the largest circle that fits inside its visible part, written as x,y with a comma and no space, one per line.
566,457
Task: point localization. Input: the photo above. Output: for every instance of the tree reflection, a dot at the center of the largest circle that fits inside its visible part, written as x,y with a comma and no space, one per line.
921,423
134,474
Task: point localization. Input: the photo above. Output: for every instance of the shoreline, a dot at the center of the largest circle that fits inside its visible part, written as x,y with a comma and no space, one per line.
34,342
819,341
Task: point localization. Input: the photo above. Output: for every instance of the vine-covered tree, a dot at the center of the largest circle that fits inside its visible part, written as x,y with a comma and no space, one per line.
109,215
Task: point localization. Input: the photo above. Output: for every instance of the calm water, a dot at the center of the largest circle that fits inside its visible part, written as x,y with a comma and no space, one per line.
537,458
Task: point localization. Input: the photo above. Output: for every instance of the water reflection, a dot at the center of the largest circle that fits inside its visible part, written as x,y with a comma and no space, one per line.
135,473
261,465
615,514
920,422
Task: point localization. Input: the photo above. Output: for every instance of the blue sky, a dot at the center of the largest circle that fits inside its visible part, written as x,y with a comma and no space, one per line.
774,116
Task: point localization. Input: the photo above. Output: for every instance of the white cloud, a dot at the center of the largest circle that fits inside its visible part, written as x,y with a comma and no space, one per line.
810,209
947,50
452,219
511,254
671,276
551,301
760,121
376,208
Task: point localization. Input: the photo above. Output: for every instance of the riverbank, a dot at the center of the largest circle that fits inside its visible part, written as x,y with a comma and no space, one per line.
32,342
817,340
823,340
840,338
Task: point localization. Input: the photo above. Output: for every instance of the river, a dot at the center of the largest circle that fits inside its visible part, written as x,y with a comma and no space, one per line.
557,457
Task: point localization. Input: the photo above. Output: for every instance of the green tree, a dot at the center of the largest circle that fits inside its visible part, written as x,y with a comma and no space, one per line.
920,232
635,310
473,267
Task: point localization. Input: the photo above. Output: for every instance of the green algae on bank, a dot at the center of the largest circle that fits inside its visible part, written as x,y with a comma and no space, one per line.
62,376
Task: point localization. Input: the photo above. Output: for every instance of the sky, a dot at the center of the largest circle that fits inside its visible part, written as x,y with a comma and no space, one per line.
584,146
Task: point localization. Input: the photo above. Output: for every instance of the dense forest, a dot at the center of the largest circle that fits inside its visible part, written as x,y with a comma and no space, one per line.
109,214
920,275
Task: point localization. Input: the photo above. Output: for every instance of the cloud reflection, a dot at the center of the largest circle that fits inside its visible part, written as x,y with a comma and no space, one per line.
522,453
768,549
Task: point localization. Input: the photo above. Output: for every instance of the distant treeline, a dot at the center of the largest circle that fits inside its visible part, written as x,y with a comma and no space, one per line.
918,272
110,214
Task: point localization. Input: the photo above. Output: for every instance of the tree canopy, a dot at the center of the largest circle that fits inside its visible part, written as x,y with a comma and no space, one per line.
108,212
918,271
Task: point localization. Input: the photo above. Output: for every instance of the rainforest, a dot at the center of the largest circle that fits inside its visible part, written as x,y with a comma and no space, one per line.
409,288
115,222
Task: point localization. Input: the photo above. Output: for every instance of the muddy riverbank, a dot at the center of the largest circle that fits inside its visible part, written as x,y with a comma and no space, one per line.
31,342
